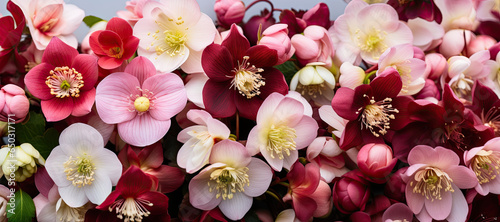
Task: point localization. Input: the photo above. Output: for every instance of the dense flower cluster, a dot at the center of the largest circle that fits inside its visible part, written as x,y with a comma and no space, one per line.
391,112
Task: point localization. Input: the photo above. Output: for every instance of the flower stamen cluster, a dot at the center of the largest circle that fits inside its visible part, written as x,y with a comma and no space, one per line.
64,82
281,140
377,116
247,79
131,209
141,103
486,165
430,182
79,170
228,180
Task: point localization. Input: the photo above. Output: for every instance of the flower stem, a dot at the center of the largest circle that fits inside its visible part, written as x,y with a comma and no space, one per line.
273,195
371,68
270,11
237,125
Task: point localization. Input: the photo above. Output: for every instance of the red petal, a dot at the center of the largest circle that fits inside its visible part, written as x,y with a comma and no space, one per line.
133,182
311,180
129,47
57,109
217,63
403,117
262,56
159,201
304,207
108,40
169,178
275,82
120,27
236,43
106,62
348,103
17,13
387,85
83,104
6,26
109,200
94,43
296,175
58,53
218,99
247,108
151,156
35,81
351,136
87,66
454,109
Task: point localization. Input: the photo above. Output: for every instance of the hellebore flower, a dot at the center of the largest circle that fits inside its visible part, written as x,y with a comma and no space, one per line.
149,159
238,75
231,181
13,103
282,129
12,29
485,162
397,212
64,81
134,11
486,105
21,160
376,161
140,101
81,167
351,192
198,140
48,19
433,183
114,45
229,12
315,45
325,152
310,196
314,82
299,20
173,34
276,37
133,200
372,110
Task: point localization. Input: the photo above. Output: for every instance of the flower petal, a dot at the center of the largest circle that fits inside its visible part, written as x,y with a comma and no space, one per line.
35,81
99,189
141,68
199,193
306,131
143,130
259,175
236,43
55,166
57,109
83,104
170,95
219,99
120,27
236,207
217,63
459,208
440,209
58,53
169,178
73,196
462,177
108,164
87,66
80,138
231,153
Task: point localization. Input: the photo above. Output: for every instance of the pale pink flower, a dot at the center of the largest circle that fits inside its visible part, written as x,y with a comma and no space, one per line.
400,57
397,212
426,35
376,161
315,83
140,101
325,152
481,42
173,34
4,192
47,19
199,139
365,31
13,103
81,167
53,208
435,66
231,181
485,162
134,11
327,114
229,12
457,14
433,183
315,45
194,88
351,76
485,9
282,129
287,215
454,42
276,37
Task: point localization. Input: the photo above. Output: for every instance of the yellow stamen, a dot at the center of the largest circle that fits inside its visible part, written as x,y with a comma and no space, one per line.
281,139
64,82
131,209
79,170
141,104
377,116
431,182
247,79
228,180
486,165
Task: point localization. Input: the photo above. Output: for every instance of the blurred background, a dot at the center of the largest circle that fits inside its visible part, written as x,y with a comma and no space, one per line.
106,9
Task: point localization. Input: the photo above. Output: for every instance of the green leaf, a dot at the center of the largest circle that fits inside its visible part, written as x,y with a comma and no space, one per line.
90,20
288,69
22,210
33,132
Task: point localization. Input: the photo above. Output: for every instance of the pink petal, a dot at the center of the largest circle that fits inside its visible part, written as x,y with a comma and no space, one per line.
106,62
73,196
275,163
199,193
322,197
143,130
35,81
194,88
304,207
231,153
440,209
141,68
289,111
462,177
58,53
306,131
217,128
199,116
414,200
70,19
170,95
260,176
57,109
303,48
459,208
398,211
236,207
268,107
151,156
87,66
83,104
192,65
43,181
120,27
112,95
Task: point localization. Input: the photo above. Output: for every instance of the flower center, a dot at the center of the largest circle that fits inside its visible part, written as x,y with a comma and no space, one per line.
462,87
377,116
247,79
430,182
281,140
48,25
228,180
141,104
116,52
174,43
371,42
492,119
67,213
64,82
312,90
131,209
486,165
79,170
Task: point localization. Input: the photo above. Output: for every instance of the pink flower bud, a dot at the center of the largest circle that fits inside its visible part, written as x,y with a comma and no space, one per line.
314,46
351,192
436,65
276,37
376,161
229,12
454,42
481,42
13,103
430,90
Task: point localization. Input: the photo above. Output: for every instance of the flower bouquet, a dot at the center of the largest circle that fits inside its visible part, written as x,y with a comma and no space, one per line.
391,112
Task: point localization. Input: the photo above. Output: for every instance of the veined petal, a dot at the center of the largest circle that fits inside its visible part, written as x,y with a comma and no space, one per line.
201,34
141,68
57,109
87,66
99,189
236,43
58,53
143,130
80,138
199,192
259,175
108,164
170,95
120,27
74,196
440,209
236,207
217,63
231,153
35,81
55,167
83,104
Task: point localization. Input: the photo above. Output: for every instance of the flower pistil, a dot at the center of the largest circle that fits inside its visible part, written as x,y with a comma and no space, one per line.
247,79
64,82
79,170
377,116
228,180
281,140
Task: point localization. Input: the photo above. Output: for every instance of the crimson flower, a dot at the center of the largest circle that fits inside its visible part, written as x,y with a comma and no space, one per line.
240,76
411,9
297,21
64,81
12,30
133,200
114,45
372,110
486,105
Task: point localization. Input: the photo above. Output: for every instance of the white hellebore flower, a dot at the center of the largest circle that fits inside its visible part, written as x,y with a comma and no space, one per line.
81,167
314,82
23,158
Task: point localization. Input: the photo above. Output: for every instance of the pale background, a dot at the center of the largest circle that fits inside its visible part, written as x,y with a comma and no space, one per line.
106,9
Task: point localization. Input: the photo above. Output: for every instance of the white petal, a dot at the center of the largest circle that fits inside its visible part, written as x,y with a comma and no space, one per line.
73,196
99,189
55,166
108,164
80,138
236,207
260,175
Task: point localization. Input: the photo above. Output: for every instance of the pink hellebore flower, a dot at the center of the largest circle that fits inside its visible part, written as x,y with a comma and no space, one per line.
351,192
457,14
134,11
426,35
325,152
47,19
366,31
314,46
115,45
485,162
64,81
231,182
81,167
12,30
282,129
13,103
376,161
199,139
397,212
229,12
276,37
140,101
310,196
433,183
51,207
